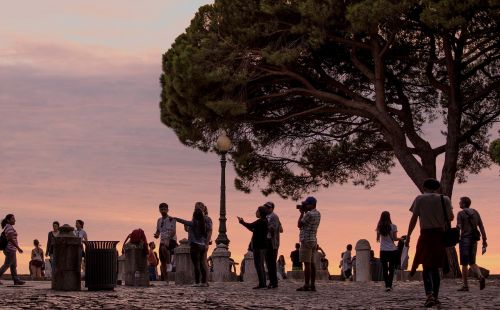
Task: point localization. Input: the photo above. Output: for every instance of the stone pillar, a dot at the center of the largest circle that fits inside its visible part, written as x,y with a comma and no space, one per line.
220,257
136,265
250,274
363,273
121,269
66,275
184,269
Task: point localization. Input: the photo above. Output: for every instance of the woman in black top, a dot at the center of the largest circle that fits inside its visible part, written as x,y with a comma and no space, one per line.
259,242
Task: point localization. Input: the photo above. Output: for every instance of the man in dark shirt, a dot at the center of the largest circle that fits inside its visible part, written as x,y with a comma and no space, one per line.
296,263
469,220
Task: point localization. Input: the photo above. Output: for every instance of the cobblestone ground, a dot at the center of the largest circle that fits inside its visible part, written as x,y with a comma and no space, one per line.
330,295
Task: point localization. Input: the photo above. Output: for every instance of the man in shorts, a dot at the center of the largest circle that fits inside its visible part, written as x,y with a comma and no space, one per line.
308,224
471,230
165,230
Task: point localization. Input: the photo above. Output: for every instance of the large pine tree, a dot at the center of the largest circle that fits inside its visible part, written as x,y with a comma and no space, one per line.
317,92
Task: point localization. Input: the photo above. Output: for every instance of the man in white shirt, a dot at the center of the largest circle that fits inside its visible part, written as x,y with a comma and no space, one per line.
166,231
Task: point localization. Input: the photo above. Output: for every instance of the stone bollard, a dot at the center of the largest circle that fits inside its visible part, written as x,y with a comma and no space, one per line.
136,265
222,264
363,269
250,274
184,269
121,269
66,275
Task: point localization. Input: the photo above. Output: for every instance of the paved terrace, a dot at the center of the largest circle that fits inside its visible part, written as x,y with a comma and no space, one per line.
237,295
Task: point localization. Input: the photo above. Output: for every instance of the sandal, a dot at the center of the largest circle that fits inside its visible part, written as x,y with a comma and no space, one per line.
463,289
304,289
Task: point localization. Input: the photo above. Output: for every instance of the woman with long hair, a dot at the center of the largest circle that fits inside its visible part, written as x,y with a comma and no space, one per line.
11,250
36,262
280,264
386,235
259,243
197,237
49,250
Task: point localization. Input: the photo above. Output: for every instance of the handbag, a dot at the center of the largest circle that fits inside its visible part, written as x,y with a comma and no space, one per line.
451,235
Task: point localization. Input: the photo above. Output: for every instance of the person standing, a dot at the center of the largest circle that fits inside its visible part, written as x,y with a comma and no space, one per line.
208,223
294,256
347,262
153,262
427,208
82,234
10,251
386,235
281,265
166,231
308,224
197,237
36,262
49,250
468,221
274,229
259,243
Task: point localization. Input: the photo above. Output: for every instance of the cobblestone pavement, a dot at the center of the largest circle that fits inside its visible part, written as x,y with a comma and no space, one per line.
330,295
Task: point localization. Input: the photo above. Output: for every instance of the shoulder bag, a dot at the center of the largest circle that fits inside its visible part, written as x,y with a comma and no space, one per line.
451,235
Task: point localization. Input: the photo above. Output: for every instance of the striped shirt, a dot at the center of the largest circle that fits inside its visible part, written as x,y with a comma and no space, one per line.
11,234
309,229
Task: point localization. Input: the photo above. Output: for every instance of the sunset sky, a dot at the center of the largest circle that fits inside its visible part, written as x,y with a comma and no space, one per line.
81,137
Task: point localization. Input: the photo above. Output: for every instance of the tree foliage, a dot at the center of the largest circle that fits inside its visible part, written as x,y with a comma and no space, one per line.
495,151
317,92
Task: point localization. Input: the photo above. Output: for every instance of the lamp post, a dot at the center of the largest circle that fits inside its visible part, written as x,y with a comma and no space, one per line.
223,145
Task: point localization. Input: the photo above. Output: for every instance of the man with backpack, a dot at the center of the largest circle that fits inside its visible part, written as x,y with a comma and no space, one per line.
468,221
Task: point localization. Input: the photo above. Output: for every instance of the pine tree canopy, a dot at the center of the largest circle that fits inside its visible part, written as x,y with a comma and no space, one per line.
320,92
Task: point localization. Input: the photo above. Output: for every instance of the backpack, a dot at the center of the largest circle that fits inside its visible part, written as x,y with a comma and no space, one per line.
3,241
476,235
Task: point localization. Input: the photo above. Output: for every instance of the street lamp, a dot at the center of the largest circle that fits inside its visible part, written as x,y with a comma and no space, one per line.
223,145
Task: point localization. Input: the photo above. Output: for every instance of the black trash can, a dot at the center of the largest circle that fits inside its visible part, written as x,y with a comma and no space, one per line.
101,265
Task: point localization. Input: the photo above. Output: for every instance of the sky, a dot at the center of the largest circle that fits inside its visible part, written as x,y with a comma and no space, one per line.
81,138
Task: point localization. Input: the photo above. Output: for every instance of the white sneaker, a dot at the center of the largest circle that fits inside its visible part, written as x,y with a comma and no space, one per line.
196,285
204,284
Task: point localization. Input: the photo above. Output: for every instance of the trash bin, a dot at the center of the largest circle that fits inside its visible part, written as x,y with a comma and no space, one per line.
101,265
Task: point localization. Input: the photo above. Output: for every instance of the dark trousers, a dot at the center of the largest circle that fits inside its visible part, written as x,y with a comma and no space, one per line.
258,260
271,258
388,260
197,256
10,262
432,280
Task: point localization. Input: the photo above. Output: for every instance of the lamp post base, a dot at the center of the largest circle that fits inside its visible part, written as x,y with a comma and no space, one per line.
222,265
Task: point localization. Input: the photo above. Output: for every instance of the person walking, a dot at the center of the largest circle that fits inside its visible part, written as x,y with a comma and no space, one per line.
259,231
468,221
36,262
274,229
347,262
427,208
386,235
197,237
11,249
49,250
166,231
308,224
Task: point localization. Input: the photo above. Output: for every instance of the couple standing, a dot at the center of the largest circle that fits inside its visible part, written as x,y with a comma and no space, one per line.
265,243
199,235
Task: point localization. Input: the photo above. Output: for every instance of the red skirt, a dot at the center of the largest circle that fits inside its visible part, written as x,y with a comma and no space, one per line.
431,251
